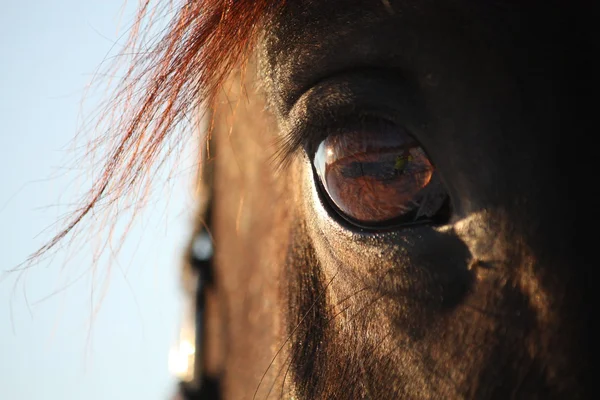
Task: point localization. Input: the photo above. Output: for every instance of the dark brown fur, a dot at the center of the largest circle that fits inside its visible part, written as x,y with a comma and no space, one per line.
494,303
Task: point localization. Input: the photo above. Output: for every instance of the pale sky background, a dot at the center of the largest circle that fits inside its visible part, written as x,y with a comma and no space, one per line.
48,348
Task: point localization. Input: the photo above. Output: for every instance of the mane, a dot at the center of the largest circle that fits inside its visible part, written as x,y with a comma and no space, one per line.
174,74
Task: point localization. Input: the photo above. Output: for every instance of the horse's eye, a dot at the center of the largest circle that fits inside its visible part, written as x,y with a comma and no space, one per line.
379,179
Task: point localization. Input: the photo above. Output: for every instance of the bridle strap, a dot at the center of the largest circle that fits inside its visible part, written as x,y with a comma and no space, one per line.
203,386
201,262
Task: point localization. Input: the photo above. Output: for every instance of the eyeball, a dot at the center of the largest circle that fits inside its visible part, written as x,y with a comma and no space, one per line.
378,178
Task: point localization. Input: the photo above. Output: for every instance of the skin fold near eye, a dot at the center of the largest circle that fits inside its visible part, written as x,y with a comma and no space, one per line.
372,178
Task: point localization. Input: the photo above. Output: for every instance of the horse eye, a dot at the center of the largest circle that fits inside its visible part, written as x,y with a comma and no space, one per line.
379,179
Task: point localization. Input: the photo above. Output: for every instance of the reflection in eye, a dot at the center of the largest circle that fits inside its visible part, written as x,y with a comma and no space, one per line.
379,177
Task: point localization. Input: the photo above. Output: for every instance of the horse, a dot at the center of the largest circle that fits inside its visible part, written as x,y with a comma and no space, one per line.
389,193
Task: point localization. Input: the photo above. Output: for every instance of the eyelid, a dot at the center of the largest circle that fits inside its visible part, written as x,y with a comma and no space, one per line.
355,100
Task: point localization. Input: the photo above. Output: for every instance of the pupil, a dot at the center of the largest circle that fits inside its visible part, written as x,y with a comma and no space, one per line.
381,171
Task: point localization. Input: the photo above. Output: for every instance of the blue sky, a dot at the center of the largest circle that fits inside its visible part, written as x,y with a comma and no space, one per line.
50,348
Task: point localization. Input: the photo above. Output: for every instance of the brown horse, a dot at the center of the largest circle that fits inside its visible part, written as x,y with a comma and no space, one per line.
392,208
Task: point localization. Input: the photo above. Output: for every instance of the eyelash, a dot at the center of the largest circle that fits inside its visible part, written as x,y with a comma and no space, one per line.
352,99
307,136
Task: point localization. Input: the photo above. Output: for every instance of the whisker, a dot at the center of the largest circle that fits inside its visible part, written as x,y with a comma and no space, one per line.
292,333
277,376
287,370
